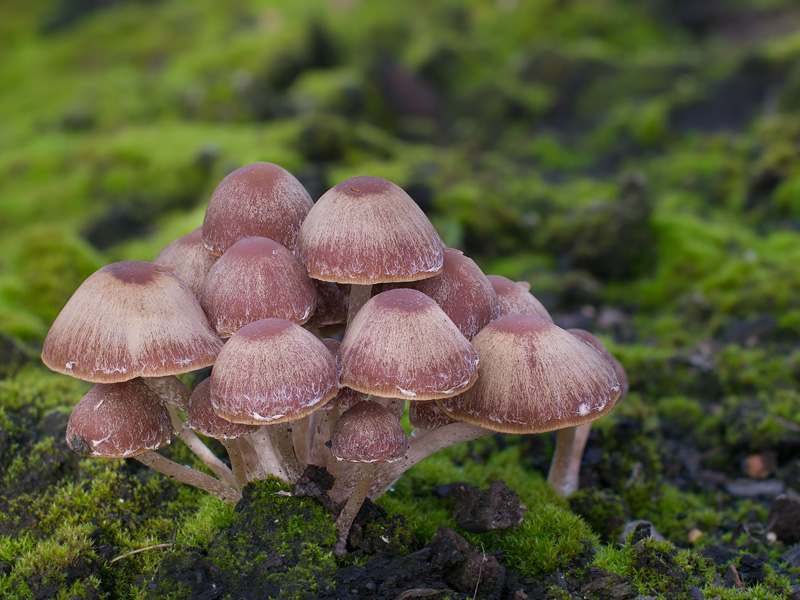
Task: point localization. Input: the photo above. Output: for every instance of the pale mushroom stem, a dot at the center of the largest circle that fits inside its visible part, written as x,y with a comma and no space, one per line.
301,432
283,438
420,446
566,466
359,295
196,445
190,476
237,462
271,460
353,505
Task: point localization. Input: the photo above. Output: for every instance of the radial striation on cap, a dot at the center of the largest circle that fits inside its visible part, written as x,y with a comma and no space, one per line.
402,345
119,420
201,417
515,298
462,291
367,230
367,433
272,371
257,278
260,199
622,375
534,377
189,259
130,319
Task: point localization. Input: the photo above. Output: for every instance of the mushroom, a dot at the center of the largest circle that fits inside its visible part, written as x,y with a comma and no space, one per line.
256,278
200,416
259,199
188,258
571,441
136,319
128,420
461,290
367,230
515,298
272,372
367,433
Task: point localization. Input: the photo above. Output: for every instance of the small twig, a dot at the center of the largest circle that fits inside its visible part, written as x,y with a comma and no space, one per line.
121,556
480,571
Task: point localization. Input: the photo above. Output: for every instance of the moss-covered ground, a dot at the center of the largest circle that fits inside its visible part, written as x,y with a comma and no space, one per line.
637,162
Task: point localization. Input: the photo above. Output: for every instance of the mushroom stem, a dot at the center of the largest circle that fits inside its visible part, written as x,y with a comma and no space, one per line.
237,462
272,463
190,476
283,437
196,445
359,294
566,466
421,445
352,506
172,391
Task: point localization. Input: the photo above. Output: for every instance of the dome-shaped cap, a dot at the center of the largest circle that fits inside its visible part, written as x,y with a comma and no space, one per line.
260,199
272,371
534,377
515,298
622,375
368,432
130,319
119,420
367,230
256,278
462,291
402,345
188,258
201,417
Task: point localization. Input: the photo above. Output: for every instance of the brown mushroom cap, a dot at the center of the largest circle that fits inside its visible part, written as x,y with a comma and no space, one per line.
256,278
331,305
201,417
367,230
534,377
515,298
402,345
272,371
260,199
189,259
622,375
119,420
462,291
130,319
367,433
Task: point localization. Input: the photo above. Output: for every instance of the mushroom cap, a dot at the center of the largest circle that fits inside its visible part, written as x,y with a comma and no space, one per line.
427,415
257,278
462,291
367,433
201,417
534,377
622,375
402,345
367,230
260,199
272,371
130,319
189,259
119,420
515,298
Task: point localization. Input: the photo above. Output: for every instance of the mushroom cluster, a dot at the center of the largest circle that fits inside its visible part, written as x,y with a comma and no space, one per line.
322,322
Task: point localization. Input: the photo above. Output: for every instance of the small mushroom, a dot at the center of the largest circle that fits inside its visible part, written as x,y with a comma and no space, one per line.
367,433
515,298
189,259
